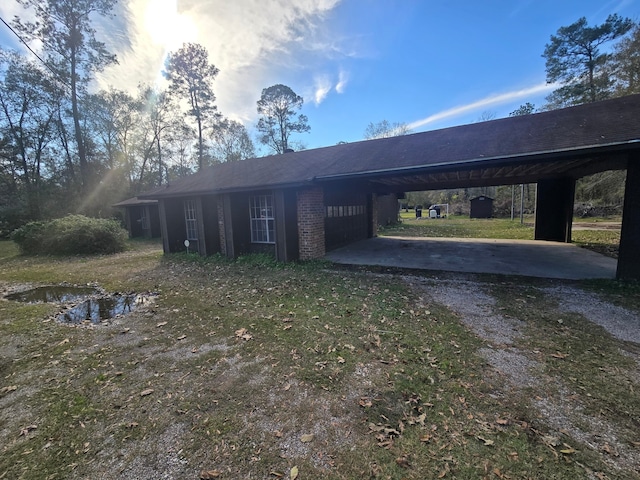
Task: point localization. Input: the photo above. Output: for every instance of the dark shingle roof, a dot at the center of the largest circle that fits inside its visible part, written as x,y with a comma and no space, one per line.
611,124
134,202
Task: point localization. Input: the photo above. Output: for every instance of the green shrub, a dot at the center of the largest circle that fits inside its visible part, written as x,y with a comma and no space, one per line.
74,234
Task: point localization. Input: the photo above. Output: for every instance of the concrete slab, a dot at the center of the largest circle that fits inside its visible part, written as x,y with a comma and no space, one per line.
474,255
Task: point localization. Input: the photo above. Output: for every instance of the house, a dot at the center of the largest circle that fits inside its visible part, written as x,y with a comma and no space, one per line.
481,207
299,205
141,217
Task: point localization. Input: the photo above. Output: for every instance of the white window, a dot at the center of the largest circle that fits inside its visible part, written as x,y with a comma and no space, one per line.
191,219
262,219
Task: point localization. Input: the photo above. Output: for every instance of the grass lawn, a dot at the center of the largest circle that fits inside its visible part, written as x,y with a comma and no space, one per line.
603,241
250,369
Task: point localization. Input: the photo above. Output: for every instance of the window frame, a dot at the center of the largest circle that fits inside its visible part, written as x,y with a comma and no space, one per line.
262,219
191,220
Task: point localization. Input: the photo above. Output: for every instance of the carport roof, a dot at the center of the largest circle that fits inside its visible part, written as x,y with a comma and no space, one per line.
574,142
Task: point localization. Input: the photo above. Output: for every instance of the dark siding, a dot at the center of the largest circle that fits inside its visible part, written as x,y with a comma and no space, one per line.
134,215
286,207
176,228
346,217
211,227
154,220
241,223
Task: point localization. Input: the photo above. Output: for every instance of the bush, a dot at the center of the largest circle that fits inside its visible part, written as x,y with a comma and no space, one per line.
74,234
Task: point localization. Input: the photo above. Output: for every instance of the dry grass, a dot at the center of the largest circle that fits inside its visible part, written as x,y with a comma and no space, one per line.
249,369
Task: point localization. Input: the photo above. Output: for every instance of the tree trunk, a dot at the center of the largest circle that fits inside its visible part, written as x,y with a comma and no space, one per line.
82,154
159,160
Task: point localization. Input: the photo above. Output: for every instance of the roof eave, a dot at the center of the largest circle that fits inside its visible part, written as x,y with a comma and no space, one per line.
485,161
222,191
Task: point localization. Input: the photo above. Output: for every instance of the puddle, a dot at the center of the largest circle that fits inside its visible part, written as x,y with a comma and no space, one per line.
53,294
99,309
86,305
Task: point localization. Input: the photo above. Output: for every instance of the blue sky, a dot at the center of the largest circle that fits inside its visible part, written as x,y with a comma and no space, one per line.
427,63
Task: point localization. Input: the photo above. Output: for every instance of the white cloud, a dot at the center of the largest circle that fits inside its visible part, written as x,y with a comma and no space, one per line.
324,84
254,44
322,88
343,79
484,103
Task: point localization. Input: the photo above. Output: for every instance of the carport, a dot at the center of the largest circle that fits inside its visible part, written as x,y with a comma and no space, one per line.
552,149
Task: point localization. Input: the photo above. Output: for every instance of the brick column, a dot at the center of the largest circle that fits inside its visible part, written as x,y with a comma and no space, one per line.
311,223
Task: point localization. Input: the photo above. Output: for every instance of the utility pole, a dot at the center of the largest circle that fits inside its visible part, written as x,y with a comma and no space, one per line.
522,203
513,199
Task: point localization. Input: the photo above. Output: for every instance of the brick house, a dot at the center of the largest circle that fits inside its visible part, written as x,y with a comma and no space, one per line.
299,205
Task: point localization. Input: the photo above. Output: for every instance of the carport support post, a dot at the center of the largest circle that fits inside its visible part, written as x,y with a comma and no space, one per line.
628,256
226,228
554,209
164,230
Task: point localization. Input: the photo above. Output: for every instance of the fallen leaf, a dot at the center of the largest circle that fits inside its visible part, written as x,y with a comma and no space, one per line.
306,438
568,450
27,429
10,388
161,324
276,474
551,441
182,337
444,472
244,334
341,360
209,474
501,421
294,473
560,355
146,392
487,442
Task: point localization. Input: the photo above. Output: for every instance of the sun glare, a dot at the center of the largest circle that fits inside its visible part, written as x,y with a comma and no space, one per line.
166,26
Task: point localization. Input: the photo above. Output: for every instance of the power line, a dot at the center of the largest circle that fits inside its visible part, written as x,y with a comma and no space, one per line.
51,69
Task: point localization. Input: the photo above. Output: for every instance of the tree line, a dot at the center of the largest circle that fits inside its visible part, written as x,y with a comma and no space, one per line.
66,149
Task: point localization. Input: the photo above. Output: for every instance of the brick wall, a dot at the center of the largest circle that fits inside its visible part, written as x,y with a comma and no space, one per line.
311,223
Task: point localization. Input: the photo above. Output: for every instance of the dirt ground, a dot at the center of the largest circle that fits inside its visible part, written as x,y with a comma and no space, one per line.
506,351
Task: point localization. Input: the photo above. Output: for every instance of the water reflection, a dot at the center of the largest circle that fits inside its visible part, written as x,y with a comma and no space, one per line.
95,310
52,293
94,305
